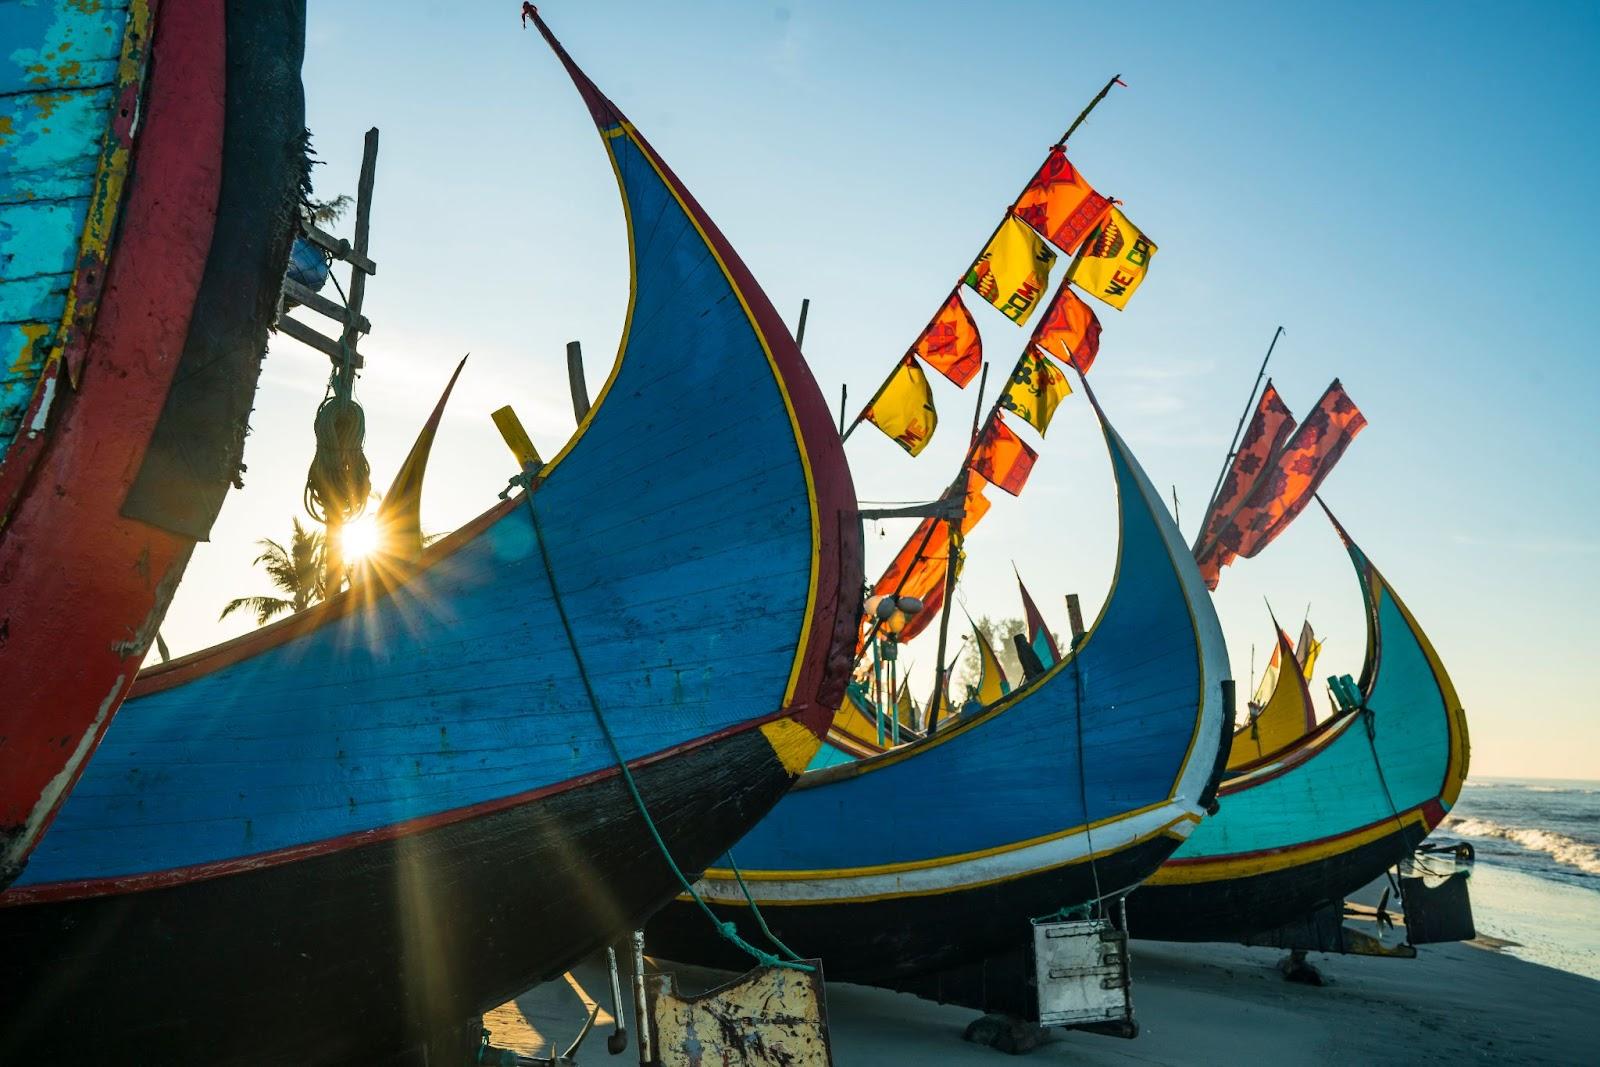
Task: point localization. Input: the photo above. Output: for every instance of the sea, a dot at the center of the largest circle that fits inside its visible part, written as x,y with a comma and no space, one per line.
1536,883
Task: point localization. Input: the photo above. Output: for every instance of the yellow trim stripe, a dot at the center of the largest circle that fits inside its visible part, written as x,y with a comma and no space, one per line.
1224,868
942,861
868,898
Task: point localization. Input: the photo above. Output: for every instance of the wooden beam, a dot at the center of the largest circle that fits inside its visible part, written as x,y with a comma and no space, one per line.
358,279
307,336
339,248
575,382
319,303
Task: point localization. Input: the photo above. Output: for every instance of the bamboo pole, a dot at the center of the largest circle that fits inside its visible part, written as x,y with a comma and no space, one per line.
1205,517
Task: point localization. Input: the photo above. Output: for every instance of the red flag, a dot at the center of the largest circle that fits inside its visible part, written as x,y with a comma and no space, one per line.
950,344
1002,457
1059,203
1307,459
1289,483
1069,328
924,571
1269,428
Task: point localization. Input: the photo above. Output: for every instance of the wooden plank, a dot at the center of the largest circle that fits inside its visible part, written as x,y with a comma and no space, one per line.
339,247
319,303
580,390
307,336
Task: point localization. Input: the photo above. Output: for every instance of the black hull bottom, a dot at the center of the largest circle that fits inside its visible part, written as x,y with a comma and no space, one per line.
884,942
1239,908
357,954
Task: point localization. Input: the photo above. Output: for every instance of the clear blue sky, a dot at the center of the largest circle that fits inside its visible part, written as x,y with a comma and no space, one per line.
1407,189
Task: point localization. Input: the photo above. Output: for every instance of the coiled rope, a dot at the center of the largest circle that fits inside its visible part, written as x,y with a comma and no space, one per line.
727,930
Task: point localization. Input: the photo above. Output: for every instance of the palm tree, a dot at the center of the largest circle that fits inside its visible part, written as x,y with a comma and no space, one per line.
297,571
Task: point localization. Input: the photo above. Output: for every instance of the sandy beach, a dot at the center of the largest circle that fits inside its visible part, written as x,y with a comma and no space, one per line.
1196,1004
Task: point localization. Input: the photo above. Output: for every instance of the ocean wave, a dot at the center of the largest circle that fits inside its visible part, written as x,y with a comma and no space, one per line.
1565,850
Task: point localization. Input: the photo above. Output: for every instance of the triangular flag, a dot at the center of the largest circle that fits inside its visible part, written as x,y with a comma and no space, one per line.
992,681
903,408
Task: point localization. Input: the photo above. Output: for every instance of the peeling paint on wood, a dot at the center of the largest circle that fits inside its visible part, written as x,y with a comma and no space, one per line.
770,1017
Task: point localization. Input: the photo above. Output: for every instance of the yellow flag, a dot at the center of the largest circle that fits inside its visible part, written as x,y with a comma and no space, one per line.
1013,273
1113,260
903,408
1037,386
905,708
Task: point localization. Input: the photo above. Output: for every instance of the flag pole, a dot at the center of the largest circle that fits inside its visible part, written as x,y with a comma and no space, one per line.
1205,518
1116,79
954,553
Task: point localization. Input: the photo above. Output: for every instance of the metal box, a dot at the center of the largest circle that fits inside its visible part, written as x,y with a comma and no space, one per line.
1081,970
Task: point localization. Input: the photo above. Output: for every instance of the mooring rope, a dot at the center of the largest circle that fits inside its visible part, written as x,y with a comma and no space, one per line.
755,911
728,930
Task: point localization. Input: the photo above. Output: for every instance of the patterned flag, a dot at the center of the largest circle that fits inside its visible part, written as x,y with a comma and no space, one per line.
903,408
950,344
1060,204
1069,328
1288,484
1036,388
924,572
1014,271
1002,457
1307,459
1113,261
1040,638
1270,428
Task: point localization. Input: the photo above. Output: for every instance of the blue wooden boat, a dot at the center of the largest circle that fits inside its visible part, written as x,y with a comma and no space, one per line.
1301,830
348,833
935,855
151,165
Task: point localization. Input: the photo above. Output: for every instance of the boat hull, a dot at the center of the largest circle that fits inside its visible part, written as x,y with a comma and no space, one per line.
1239,908
192,265
882,942
369,949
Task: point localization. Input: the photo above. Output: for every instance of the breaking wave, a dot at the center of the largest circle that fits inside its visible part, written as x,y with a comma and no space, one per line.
1567,851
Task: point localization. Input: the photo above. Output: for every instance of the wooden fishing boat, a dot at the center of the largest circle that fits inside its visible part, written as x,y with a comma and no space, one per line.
1299,831
1285,718
151,164
342,834
1075,787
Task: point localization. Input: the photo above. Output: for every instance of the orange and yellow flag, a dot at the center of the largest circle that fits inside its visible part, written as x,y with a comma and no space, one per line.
1003,458
1069,328
1036,387
1060,204
950,344
1113,261
1013,273
903,408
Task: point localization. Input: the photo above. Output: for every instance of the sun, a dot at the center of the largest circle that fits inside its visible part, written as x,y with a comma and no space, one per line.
359,539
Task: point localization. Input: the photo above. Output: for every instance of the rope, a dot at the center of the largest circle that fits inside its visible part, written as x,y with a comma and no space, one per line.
728,930
755,911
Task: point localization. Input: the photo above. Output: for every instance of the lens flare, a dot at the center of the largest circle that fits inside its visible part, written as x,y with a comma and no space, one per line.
360,538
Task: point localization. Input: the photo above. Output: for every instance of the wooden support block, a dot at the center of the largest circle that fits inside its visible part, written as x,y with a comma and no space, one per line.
516,438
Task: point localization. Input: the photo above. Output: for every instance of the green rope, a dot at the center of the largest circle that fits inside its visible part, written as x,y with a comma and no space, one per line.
728,930
755,911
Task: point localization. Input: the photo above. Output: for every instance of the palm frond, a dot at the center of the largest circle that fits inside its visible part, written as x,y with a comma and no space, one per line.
265,607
